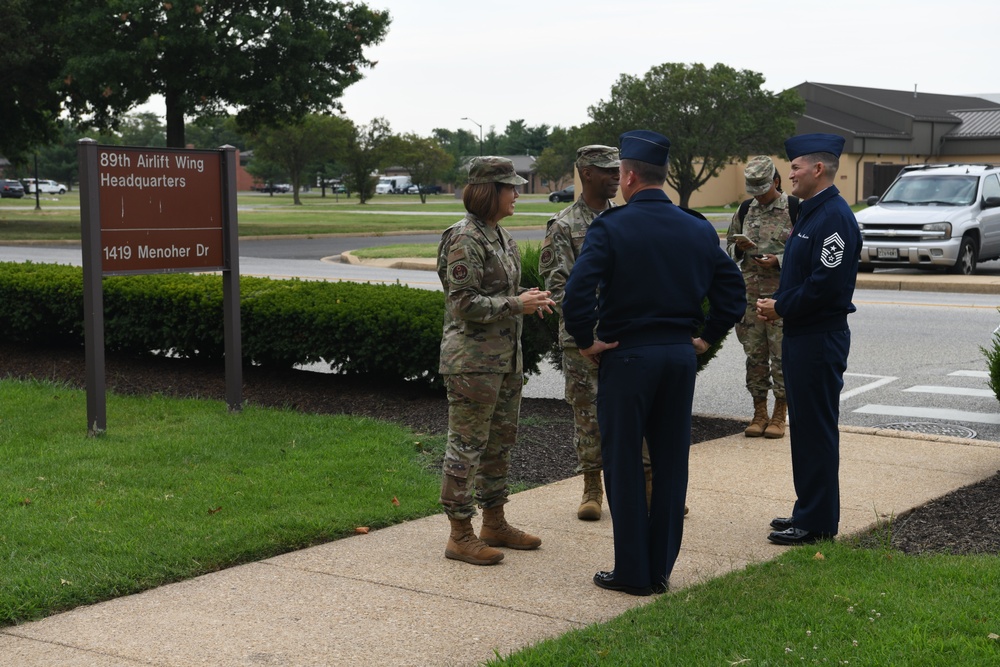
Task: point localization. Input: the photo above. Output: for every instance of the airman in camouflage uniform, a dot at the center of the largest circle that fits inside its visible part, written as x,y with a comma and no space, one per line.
564,236
767,223
480,270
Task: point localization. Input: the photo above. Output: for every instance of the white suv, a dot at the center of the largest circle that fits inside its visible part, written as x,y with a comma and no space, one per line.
934,215
46,186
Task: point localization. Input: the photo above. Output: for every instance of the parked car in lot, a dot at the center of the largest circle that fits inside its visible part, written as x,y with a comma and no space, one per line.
11,189
45,186
426,189
934,215
566,194
274,187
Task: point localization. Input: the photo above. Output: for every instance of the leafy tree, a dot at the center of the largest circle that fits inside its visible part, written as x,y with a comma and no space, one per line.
423,158
296,146
266,171
60,159
365,156
29,63
273,61
213,131
460,144
711,116
142,129
555,164
554,168
519,139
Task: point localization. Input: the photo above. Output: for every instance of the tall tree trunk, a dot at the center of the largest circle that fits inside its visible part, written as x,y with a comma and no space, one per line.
174,120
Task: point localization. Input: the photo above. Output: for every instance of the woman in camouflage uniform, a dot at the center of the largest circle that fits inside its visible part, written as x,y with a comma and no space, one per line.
480,270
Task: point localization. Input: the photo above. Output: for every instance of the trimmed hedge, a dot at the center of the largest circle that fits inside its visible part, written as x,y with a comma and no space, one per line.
390,331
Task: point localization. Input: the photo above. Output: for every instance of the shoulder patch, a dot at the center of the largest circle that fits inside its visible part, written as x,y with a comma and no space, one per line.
832,253
545,259
459,273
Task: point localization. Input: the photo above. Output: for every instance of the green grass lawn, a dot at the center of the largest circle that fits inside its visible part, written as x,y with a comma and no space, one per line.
830,604
178,488
261,215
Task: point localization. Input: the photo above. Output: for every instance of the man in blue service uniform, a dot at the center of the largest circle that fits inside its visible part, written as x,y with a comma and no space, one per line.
814,298
641,277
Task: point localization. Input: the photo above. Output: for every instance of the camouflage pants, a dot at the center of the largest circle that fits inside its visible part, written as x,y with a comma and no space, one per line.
762,344
581,394
483,410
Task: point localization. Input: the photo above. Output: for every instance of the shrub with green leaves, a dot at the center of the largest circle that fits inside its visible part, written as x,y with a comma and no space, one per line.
993,364
386,331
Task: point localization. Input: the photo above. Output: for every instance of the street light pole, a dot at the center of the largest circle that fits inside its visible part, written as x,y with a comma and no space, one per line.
38,205
480,133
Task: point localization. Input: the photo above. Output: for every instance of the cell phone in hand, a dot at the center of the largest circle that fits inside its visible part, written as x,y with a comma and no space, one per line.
743,237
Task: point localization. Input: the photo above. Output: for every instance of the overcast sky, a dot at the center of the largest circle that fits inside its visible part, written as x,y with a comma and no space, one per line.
548,61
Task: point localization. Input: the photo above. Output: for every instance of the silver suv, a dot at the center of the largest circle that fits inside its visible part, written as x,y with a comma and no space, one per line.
934,215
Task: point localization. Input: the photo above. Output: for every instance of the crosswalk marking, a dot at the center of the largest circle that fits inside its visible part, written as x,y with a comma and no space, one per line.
878,382
951,391
930,413
970,374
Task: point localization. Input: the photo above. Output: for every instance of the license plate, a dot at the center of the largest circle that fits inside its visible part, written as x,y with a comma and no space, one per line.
888,253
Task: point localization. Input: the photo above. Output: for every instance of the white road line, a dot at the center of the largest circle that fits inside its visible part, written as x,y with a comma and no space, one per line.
951,391
880,381
930,413
970,374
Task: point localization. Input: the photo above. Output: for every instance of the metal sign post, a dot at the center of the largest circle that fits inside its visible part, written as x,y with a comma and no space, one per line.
156,210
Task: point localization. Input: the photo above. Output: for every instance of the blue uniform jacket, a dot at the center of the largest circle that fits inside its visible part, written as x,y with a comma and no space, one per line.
642,275
820,266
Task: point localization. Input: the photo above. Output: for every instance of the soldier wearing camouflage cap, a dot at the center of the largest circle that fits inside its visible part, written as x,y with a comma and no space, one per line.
765,221
564,235
480,270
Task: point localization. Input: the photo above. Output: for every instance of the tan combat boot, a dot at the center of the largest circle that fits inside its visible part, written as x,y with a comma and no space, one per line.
593,494
776,427
465,546
497,532
759,422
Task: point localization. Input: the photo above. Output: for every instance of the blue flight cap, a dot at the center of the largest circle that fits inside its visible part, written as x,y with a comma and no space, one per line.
645,146
807,144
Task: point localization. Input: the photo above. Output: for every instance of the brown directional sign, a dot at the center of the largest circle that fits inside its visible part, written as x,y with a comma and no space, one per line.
156,210
160,210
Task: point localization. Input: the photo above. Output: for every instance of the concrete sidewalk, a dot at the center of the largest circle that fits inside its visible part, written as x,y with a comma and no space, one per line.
391,598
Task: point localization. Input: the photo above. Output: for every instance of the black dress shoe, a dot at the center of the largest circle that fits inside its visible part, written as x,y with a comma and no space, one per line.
781,523
607,580
793,536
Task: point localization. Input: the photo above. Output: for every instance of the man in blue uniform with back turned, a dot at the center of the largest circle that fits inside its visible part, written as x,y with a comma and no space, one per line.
814,297
641,277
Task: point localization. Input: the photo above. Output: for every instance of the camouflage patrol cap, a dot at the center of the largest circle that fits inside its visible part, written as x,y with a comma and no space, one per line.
759,175
605,157
492,169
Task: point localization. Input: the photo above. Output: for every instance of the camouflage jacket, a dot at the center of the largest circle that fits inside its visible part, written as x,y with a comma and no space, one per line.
564,237
768,227
480,271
